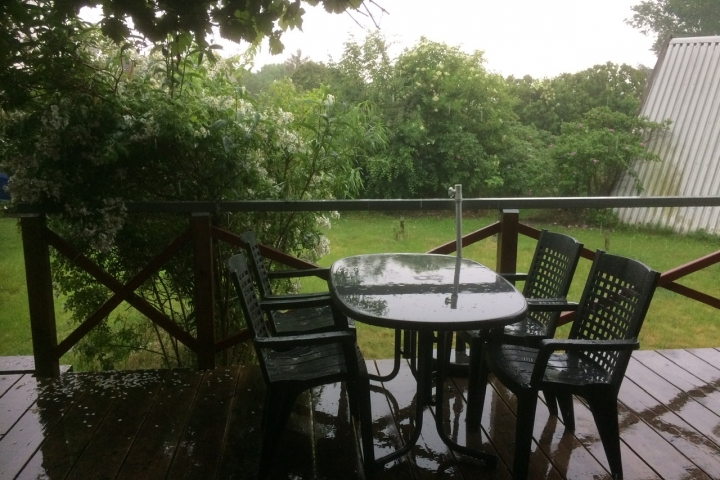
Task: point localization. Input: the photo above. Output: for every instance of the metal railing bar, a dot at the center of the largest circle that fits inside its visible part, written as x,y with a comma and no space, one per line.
399,204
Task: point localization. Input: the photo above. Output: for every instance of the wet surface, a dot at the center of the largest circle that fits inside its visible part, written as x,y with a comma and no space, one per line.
172,424
422,291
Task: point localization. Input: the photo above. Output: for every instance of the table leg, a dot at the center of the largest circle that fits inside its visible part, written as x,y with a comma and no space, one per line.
489,459
422,398
396,365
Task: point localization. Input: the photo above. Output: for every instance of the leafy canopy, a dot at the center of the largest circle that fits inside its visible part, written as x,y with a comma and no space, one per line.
676,18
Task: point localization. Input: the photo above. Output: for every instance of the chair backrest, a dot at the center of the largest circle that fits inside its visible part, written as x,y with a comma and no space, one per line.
243,282
613,307
551,270
257,264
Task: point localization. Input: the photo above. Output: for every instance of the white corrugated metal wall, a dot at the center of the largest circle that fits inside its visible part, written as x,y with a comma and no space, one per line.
685,89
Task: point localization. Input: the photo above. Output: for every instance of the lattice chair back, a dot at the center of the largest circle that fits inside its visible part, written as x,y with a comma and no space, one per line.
243,282
613,307
551,271
257,264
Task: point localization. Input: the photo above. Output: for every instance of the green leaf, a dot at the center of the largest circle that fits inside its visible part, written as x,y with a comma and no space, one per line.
217,125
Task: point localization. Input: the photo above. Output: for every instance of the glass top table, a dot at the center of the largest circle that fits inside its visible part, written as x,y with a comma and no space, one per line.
426,293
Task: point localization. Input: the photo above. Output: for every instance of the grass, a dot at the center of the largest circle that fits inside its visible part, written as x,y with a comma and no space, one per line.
672,322
15,336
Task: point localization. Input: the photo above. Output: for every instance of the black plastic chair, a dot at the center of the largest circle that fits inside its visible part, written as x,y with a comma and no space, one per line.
591,363
303,316
293,364
546,286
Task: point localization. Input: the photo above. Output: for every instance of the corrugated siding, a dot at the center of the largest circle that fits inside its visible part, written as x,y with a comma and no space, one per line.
685,89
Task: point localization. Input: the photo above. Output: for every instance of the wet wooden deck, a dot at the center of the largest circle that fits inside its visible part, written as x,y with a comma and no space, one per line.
186,424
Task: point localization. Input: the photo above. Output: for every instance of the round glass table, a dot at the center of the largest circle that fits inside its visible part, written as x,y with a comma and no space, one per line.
432,295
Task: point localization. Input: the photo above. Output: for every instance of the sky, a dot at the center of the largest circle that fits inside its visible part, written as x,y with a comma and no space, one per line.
540,38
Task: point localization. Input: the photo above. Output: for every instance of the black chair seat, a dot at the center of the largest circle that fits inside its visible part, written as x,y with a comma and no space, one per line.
309,319
515,363
318,363
529,327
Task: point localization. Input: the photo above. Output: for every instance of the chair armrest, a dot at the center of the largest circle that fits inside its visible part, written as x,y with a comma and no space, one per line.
291,341
305,272
550,305
289,302
514,277
550,345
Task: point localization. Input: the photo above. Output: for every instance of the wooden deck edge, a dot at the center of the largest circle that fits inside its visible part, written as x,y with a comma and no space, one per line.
23,364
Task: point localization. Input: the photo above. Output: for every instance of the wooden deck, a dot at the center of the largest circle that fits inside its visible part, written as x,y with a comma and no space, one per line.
187,424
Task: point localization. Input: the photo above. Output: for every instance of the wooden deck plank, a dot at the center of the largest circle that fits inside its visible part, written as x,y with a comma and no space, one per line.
677,446
663,456
208,427
133,395
152,451
16,400
88,404
197,455
28,433
7,381
685,379
17,365
241,448
702,418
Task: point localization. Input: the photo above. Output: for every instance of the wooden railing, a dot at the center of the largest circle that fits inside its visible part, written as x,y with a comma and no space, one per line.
37,239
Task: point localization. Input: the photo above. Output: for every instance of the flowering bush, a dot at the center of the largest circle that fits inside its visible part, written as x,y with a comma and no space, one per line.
88,152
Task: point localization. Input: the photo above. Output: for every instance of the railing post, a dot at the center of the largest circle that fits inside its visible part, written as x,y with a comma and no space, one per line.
204,290
507,243
38,278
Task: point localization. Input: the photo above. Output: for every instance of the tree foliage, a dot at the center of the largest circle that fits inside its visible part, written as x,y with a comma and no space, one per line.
676,18
447,115
548,103
593,155
117,137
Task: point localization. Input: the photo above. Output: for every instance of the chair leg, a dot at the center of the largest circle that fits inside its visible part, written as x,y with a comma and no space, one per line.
353,394
526,405
477,385
551,402
567,410
603,406
362,399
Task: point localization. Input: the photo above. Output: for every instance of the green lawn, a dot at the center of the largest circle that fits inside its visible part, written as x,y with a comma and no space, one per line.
15,336
673,321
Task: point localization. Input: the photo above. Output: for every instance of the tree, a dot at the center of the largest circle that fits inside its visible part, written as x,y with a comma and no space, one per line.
676,18
30,29
592,155
258,82
448,117
311,75
547,103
